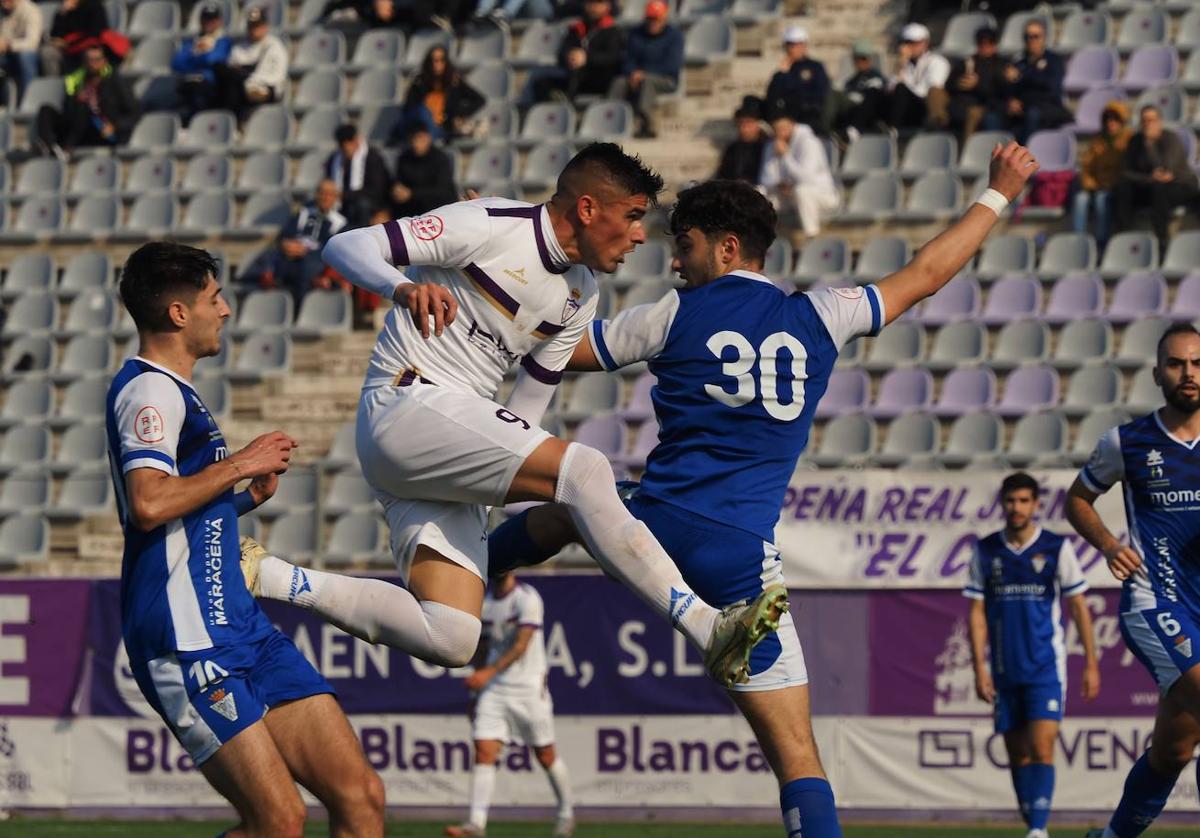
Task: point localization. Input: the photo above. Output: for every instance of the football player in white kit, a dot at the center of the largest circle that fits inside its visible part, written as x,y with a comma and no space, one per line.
479,286
512,701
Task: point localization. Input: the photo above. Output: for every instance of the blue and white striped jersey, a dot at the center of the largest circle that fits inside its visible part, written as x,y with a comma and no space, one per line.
181,584
1020,586
1161,476
741,366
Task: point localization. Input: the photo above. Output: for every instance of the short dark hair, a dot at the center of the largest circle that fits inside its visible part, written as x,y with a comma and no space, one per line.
727,206
157,272
345,133
1172,330
1019,480
609,162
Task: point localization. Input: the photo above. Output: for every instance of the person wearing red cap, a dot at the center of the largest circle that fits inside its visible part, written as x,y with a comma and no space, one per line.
653,62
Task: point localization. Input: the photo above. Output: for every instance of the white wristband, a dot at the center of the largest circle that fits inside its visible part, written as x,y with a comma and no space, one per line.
994,200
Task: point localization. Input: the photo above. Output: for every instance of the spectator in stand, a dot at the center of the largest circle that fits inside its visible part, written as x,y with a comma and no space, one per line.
20,37
653,62
361,174
742,159
1035,88
424,176
411,14
502,11
590,58
919,97
99,110
257,70
440,99
862,105
1099,168
800,88
795,172
196,60
77,25
1154,174
976,84
295,262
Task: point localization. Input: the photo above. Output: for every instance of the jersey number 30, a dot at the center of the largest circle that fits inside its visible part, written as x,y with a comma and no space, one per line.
746,388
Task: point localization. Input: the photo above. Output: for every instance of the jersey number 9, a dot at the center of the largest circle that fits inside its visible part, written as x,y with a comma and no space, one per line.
741,370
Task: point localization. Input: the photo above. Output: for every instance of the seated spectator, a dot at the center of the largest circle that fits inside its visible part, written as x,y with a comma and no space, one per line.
919,96
295,262
361,174
424,176
503,12
862,106
653,62
1035,88
976,85
590,58
99,110
411,14
196,60
77,25
795,172
1154,174
742,159
256,73
440,99
1099,168
800,88
20,36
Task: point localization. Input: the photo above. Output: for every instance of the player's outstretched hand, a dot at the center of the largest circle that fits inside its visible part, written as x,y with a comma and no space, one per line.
1012,166
1090,688
984,688
423,299
1122,561
268,454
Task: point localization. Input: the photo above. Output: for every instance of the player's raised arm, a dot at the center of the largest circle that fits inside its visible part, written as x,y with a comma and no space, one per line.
938,261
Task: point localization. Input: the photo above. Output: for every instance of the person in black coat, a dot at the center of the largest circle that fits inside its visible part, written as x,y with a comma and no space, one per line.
361,174
589,60
1035,92
424,176
976,84
77,25
801,86
742,159
99,109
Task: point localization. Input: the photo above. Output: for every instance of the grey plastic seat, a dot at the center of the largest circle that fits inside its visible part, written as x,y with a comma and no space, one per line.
489,163
29,273
959,299
822,259
83,445
263,214
869,153
972,436
294,535
645,291
40,176
1084,341
153,214
156,94
1012,35
1168,98
1010,253
264,311
591,395
263,171
84,493
31,313
1094,425
1092,387
378,48
650,262
342,450
309,172
356,538
378,122
482,43
846,441
1012,297
28,356
420,43
318,48
207,215
1138,295
901,343
539,44
153,17
86,355
977,152
316,129
493,80
903,390
910,435
608,119
779,258
215,364
150,174
1187,36
1144,395
1183,254
268,128
40,91
24,540
1139,342
1067,252
209,130
935,196
548,120
38,219
544,164
1144,24
319,88
25,446
94,174
323,313
152,56
154,133
1038,435
264,354
207,171
710,38
926,152
297,492
1189,78
875,197
955,344
1082,28
1021,342
959,38
94,218
848,391
6,130
349,493
28,400
82,401
1028,389
306,17
880,257
1127,252
377,86
216,393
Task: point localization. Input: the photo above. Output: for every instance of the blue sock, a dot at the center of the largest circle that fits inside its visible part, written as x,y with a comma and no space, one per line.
510,547
1020,779
1146,793
808,810
1041,792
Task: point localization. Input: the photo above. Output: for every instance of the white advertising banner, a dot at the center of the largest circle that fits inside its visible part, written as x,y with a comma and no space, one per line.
912,529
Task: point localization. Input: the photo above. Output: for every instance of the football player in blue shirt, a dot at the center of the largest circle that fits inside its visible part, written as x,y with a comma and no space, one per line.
249,709
1157,458
1016,578
741,366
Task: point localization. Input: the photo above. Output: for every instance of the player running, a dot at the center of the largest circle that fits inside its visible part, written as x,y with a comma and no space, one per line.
249,709
493,282
1158,460
741,366
512,701
1016,578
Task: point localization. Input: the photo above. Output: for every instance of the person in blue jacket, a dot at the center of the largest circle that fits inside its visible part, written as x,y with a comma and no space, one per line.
653,62
196,58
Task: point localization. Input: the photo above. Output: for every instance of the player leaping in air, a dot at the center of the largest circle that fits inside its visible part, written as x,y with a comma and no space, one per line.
740,367
499,281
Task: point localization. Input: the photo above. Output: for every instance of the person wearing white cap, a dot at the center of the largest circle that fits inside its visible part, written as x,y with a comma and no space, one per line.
918,88
800,89
795,172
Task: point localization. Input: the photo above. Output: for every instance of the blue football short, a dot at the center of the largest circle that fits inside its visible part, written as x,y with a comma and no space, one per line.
1166,640
1016,706
209,696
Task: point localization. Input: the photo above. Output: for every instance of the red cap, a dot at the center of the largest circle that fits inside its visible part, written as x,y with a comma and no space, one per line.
656,10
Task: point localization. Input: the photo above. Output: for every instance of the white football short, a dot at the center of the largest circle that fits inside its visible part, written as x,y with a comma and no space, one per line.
436,459
522,716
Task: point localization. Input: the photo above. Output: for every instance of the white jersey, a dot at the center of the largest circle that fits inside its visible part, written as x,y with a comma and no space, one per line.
501,620
518,297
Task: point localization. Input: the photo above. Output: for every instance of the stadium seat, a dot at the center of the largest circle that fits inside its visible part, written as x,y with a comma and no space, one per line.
911,435
153,17
82,401
539,45
216,394
1091,105
823,259
1084,28
1013,297
1094,426
1037,436
153,214
502,122
85,492
6,178
607,119
965,390
711,38
644,441
38,220
375,87
955,344
86,355
207,215
1012,35
356,539
1006,254
40,91
846,441
645,291
6,130
1144,24
1092,387
1149,66
1138,295
869,153
543,165
935,196
29,355
901,391
489,163
322,87
263,354
493,80
24,492
263,215
150,174
1021,342
1187,299
959,38
294,535
779,258
316,130
482,43
902,343
24,540
95,174
977,152
83,445
1067,252
28,273
1091,66
342,451
41,176
349,493
1074,296
880,257
378,49
297,492
309,172
206,172
264,311
26,401
640,407
1083,341
971,436
31,313
548,121
307,17
323,313
1189,78
959,299
262,171
156,94
152,56
208,132
419,45
318,48
1183,254
25,446
1054,150
875,197
606,433
848,392
1128,252
591,395
1168,98
267,129
214,364
927,152
1144,395
1027,389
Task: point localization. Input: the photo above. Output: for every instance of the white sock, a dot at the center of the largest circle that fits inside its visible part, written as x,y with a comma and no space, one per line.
560,783
376,611
483,780
624,546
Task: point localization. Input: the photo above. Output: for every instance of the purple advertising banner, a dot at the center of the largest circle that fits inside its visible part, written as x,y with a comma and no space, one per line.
42,645
921,660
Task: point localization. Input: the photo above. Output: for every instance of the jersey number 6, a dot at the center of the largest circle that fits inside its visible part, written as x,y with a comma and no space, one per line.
740,369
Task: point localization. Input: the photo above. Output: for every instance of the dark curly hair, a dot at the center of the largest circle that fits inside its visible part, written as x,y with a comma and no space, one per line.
609,163
727,206
159,272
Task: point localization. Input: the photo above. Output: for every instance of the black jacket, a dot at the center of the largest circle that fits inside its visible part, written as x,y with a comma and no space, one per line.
604,44
462,100
117,104
741,161
431,179
377,181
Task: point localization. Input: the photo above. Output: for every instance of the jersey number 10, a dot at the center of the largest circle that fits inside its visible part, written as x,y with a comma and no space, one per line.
740,369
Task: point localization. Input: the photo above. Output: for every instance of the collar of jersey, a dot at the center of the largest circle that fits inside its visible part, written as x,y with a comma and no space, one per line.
1036,535
163,370
751,275
1191,446
557,255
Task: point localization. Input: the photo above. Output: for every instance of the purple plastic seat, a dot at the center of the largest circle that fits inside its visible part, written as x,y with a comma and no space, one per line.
965,390
903,391
959,299
1150,66
640,407
848,391
644,441
1029,389
1090,67
1092,104
606,433
1187,299
1054,150
1012,297
1138,295
1075,296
